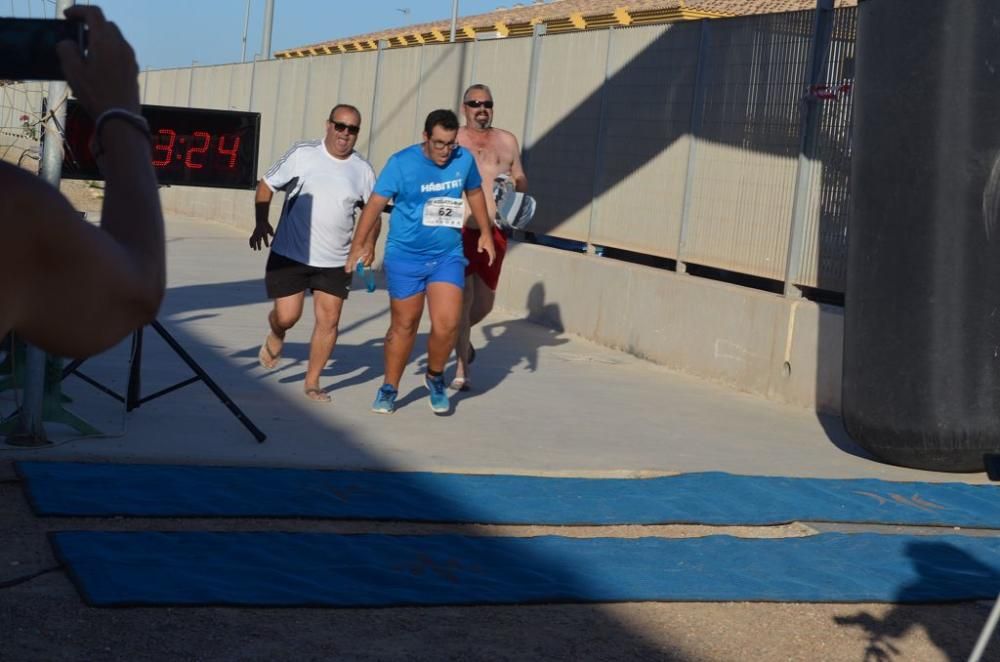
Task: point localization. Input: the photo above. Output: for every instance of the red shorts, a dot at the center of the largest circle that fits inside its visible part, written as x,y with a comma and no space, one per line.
479,263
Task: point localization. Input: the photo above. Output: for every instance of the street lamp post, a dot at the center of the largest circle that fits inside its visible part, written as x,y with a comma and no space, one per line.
265,45
246,26
454,19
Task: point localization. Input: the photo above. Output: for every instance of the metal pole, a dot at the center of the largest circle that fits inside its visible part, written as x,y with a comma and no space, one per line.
253,76
191,82
265,41
376,99
454,20
599,143
246,26
417,119
697,116
984,636
529,108
807,152
30,430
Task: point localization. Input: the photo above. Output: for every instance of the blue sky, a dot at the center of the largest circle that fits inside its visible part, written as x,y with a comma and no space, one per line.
172,33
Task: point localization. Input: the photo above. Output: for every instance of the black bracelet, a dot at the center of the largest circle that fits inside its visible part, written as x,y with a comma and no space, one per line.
136,121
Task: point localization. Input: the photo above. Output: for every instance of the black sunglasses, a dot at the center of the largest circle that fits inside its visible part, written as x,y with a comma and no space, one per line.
340,126
477,104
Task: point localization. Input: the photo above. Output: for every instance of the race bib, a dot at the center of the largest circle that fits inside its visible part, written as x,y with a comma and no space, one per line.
444,212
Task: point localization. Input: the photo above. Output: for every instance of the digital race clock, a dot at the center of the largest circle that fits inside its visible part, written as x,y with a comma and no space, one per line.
191,146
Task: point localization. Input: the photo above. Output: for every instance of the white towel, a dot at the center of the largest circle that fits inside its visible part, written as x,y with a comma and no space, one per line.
514,210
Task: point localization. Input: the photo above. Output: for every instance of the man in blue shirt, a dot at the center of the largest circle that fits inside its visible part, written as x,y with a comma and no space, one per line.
424,258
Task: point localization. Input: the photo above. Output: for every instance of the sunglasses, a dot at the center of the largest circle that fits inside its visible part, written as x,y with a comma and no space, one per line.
352,129
477,104
441,145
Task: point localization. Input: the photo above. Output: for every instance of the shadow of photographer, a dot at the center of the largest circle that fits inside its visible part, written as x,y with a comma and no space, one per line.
940,568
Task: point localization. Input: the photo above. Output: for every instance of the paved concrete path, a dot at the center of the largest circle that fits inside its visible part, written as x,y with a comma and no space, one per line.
544,402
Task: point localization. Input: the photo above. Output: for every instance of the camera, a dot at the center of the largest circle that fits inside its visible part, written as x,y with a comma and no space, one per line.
28,47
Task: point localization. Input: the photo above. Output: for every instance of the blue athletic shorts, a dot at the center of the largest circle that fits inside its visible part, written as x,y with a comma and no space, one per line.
407,275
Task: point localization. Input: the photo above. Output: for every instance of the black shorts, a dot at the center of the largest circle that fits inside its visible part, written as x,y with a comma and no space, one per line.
284,277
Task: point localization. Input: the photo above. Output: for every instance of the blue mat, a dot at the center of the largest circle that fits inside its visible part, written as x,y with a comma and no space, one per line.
319,569
102,490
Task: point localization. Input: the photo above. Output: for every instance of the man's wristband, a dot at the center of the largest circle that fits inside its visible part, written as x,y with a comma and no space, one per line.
136,121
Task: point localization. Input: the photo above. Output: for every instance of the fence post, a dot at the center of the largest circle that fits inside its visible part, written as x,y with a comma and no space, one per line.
529,110
340,82
697,112
305,99
253,76
475,60
190,84
822,34
599,144
372,135
417,123
30,430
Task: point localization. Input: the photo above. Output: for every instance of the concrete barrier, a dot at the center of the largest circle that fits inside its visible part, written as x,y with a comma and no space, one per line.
787,350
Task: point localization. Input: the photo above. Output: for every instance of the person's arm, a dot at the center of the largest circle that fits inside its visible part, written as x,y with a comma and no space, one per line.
363,246
477,201
262,207
68,287
372,238
369,245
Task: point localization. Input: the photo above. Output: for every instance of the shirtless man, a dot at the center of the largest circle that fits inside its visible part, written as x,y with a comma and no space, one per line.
497,153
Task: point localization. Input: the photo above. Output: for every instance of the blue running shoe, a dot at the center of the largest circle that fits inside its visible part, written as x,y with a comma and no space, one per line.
439,398
385,400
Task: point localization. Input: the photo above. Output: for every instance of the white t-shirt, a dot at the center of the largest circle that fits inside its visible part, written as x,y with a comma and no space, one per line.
317,219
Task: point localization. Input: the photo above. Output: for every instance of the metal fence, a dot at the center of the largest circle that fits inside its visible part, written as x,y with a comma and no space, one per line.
723,143
20,120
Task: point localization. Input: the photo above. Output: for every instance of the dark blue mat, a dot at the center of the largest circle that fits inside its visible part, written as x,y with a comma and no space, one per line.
102,490
321,569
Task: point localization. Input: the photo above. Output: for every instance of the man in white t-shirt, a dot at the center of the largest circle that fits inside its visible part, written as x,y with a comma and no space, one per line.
325,182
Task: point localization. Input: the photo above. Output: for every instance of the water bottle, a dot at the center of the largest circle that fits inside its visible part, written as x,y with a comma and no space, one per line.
367,274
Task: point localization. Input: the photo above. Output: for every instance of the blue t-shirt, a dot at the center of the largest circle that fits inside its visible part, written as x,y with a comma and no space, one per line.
426,219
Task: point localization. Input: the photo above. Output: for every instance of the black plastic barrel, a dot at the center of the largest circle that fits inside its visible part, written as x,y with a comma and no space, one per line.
921,381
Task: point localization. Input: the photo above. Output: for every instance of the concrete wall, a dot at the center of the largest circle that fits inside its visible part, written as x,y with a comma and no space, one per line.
680,141
787,350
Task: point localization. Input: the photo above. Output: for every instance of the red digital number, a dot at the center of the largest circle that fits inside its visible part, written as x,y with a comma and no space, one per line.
188,161
168,149
231,153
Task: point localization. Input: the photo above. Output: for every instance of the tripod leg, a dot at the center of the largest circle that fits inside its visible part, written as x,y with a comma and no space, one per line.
134,388
219,393
984,636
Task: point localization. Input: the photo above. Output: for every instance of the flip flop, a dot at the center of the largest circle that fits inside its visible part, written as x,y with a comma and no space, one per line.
267,358
316,394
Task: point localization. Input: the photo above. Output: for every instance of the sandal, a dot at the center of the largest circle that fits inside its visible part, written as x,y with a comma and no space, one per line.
316,394
267,358
460,384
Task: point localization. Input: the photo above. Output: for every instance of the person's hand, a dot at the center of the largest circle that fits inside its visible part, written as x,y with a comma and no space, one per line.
357,253
260,236
109,76
486,244
369,253
362,254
